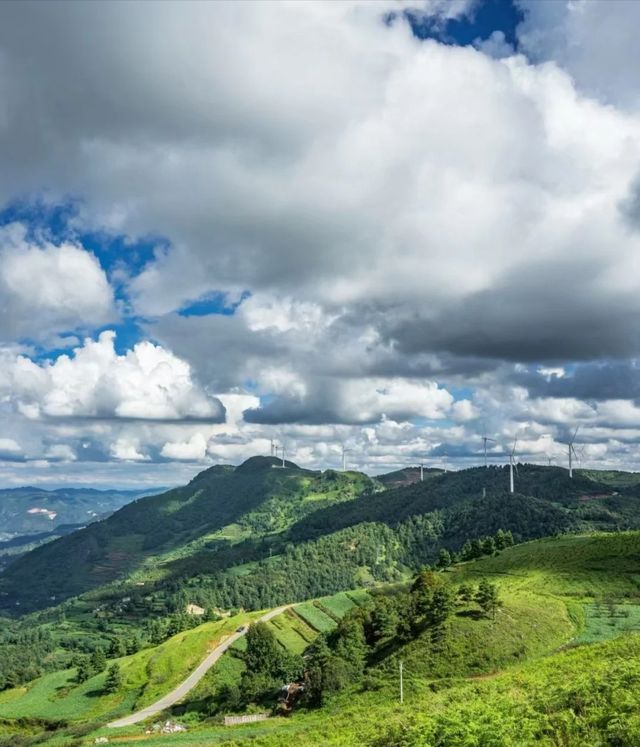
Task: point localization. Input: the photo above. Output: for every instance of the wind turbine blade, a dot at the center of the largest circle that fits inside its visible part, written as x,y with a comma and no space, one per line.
575,433
515,443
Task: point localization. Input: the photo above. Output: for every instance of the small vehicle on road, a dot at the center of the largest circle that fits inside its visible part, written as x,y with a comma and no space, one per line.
241,629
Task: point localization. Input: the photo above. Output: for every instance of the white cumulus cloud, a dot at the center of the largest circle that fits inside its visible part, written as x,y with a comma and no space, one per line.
146,383
46,287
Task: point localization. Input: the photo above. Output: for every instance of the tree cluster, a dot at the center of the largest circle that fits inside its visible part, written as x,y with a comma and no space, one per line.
476,548
340,658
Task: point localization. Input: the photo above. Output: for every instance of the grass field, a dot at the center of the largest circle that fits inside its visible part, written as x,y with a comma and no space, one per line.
578,697
359,596
584,567
337,605
512,675
315,617
292,631
147,676
608,620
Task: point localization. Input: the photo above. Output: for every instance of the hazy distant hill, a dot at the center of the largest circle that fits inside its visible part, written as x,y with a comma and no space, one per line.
32,510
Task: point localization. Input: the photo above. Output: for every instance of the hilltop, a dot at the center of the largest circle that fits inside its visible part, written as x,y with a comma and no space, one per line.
259,535
218,508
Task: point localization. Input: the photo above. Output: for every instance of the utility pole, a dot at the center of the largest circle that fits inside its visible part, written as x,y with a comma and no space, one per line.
401,684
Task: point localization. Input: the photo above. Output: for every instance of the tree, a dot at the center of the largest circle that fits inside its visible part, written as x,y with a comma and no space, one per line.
84,670
325,672
117,648
487,598
503,539
383,622
476,548
440,609
348,643
465,592
114,679
268,666
444,558
488,546
98,660
263,652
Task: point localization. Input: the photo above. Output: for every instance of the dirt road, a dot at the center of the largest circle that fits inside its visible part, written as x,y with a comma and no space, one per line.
192,680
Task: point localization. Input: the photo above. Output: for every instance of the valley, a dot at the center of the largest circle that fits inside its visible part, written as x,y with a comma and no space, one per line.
247,540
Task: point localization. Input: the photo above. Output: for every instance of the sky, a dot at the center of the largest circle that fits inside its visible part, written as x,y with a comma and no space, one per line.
391,226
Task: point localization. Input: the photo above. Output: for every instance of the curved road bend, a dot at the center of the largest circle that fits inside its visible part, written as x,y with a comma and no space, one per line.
192,680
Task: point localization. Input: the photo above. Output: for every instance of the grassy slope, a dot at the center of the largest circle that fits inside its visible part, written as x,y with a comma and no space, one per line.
545,586
147,676
585,696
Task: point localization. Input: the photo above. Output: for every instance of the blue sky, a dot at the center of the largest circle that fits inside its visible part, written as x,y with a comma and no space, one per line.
484,18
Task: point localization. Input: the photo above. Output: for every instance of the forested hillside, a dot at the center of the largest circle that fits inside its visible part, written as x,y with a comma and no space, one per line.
260,535
217,509
496,650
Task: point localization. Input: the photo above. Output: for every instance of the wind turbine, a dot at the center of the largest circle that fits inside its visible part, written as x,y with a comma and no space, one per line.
572,452
272,447
422,473
444,459
512,465
344,460
485,440
282,456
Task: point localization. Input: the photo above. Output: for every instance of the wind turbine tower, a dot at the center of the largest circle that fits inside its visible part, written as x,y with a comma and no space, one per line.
512,466
282,456
422,473
344,458
485,441
572,452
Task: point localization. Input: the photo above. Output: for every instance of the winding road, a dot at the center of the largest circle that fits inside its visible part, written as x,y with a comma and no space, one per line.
192,680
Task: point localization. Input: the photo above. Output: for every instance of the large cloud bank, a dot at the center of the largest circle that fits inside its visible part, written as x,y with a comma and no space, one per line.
425,240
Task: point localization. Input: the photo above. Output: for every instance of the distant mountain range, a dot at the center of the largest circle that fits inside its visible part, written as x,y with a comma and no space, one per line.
30,516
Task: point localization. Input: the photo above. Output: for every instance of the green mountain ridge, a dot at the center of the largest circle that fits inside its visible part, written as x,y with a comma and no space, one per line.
218,508
259,535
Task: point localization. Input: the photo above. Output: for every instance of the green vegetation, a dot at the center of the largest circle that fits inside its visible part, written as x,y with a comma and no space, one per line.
292,632
424,573
455,693
179,533
313,615
144,677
